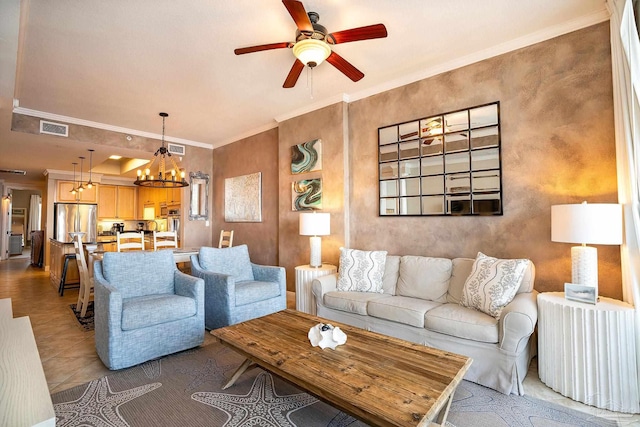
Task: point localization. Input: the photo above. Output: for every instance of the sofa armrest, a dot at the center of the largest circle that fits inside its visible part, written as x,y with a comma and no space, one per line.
217,287
268,273
323,284
518,321
190,286
107,309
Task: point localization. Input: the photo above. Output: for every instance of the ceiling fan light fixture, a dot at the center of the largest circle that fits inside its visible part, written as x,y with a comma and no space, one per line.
311,52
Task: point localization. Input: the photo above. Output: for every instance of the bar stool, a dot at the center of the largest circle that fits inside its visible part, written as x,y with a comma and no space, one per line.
63,278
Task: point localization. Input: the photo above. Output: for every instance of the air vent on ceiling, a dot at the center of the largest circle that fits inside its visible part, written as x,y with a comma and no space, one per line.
176,149
14,171
51,128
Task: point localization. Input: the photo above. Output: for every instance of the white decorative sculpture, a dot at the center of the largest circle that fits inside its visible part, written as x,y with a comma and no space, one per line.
324,335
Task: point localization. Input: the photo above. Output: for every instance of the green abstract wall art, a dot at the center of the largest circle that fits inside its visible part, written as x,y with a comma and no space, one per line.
306,194
306,157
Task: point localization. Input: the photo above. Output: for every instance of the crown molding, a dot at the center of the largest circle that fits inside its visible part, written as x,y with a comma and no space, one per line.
508,46
81,122
247,134
313,107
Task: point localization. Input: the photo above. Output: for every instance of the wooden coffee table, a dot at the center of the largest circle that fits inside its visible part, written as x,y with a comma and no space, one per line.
381,380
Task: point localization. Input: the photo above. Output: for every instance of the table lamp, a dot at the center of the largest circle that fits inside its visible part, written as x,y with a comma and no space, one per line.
595,223
315,224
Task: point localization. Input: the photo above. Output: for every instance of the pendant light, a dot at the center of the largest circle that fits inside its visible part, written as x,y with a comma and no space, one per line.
174,177
80,184
90,183
74,190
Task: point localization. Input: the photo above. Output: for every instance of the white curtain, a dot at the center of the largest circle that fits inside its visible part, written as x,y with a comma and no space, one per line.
625,58
35,212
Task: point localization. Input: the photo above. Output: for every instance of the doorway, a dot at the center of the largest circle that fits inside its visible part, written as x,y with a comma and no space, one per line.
24,214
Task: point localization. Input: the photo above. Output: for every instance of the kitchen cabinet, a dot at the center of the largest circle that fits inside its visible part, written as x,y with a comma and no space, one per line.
158,197
174,196
56,263
89,195
117,202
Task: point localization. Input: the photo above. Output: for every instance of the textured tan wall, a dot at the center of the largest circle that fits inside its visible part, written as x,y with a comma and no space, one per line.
556,108
258,153
327,124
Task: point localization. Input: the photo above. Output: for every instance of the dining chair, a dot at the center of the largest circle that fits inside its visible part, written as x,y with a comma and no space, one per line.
165,239
226,239
86,281
131,240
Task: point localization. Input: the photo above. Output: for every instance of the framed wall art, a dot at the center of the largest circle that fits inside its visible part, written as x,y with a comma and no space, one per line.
243,198
306,157
306,194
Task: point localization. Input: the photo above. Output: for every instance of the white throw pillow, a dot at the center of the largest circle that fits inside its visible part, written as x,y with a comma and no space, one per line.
492,283
361,271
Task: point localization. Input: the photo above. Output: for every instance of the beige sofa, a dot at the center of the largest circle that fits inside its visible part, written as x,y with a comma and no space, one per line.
501,349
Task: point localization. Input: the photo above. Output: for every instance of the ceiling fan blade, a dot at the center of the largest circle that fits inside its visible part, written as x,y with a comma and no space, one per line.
292,78
261,47
376,31
345,67
299,15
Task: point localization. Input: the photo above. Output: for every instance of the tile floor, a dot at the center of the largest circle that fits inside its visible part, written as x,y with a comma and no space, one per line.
68,353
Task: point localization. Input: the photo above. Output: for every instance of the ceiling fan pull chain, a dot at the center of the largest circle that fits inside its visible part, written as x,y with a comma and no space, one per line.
310,81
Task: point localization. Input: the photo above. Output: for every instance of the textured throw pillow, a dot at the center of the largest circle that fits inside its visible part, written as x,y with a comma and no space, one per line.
361,271
492,283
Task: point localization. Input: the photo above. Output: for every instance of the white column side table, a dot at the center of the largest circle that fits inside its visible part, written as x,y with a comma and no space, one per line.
587,352
305,275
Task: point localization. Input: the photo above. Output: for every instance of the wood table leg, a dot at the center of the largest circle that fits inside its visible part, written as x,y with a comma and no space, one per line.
441,418
245,365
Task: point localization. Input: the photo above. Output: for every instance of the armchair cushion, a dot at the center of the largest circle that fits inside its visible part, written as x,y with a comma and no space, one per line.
150,310
139,273
251,291
233,261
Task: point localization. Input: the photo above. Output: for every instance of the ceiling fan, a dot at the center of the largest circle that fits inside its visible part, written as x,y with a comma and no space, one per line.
313,43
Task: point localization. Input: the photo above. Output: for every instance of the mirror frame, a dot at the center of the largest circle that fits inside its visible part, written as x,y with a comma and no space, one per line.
196,181
457,155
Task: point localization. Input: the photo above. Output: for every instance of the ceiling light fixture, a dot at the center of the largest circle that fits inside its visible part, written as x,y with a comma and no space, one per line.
90,183
80,184
74,190
311,52
175,177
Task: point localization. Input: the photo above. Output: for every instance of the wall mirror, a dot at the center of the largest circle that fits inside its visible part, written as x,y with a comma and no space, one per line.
446,164
199,196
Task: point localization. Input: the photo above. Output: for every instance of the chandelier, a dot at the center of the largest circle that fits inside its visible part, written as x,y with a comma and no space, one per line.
174,177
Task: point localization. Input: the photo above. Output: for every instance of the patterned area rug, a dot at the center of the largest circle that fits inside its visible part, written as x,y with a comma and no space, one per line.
185,390
85,323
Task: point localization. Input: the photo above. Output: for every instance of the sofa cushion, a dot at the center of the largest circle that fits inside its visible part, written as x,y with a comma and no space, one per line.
391,271
150,310
461,268
424,277
361,271
407,310
352,302
233,261
462,322
138,273
493,283
251,291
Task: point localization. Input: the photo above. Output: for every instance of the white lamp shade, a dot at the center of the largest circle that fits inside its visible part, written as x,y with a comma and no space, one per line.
315,224
587,223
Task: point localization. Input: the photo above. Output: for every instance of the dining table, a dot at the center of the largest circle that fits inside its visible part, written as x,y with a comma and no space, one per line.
180,255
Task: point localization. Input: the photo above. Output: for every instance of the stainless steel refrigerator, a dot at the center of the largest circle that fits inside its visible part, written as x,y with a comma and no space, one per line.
70,217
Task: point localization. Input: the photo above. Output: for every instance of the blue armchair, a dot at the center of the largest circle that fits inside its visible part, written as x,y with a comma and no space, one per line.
235,289
145,308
